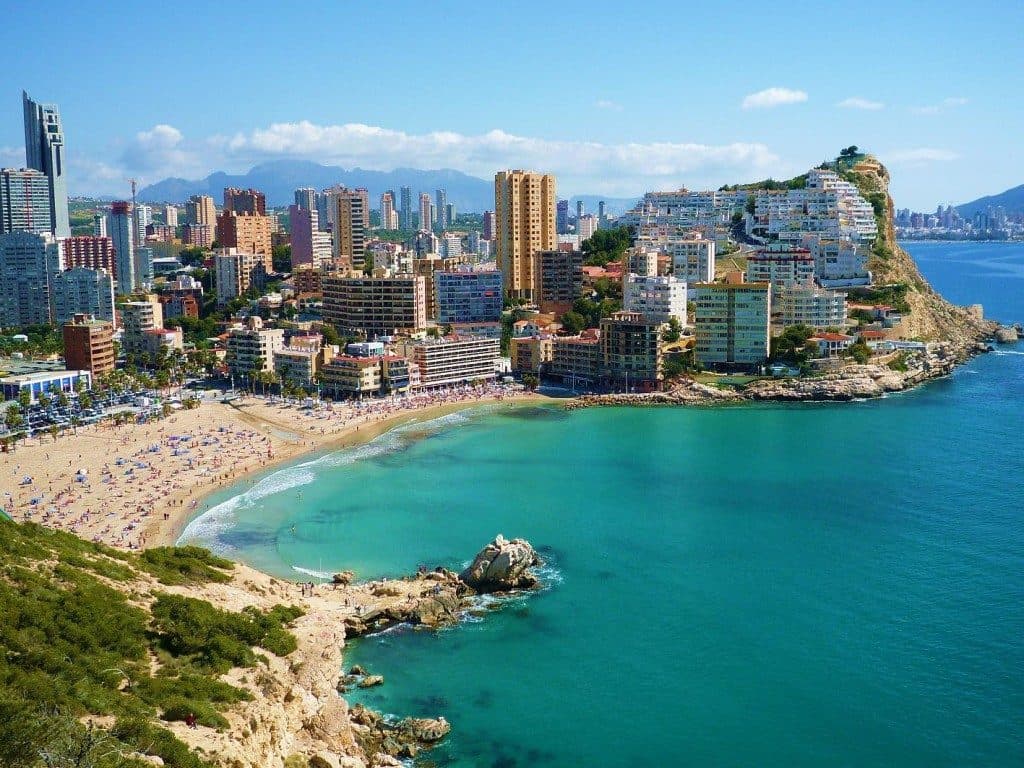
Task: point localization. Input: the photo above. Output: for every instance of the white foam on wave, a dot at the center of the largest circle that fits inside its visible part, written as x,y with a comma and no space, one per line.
311,572
1001,352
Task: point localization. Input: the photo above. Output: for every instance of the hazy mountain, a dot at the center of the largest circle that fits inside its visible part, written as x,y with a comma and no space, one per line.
280,178
1012,200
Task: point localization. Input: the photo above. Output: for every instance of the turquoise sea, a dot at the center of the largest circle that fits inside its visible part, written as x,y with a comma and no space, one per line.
762,585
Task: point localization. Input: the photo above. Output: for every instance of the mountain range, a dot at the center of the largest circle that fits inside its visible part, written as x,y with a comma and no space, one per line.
279,179
1012,200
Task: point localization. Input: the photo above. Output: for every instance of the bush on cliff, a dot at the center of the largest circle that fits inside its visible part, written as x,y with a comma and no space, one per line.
185,565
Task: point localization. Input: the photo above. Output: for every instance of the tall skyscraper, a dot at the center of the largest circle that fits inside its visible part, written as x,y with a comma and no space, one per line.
121,233
388,217
579,211
24,201
426,219
349,228
305,198
200,210
143,218
171,215
248,232
364,196
90,252
442,209
310,245
488,228
99,225
405,211
600,214
562,217
44,151
28,264
82,291
524,212
245,201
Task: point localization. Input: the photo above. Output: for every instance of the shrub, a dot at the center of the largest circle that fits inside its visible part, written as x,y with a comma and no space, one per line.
185,565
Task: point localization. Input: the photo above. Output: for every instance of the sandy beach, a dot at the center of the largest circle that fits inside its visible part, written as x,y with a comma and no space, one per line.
137,485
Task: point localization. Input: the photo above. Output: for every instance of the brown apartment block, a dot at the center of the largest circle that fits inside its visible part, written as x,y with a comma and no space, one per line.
559,280
524,217
91,252
250,201
249,233
89,345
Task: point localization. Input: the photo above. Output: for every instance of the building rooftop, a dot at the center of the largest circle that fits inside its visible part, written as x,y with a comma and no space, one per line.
15,366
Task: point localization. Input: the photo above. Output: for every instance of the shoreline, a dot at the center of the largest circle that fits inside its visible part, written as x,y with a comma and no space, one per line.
138,485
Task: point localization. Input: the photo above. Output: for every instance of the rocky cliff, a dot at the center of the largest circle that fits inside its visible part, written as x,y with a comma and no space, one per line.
931,317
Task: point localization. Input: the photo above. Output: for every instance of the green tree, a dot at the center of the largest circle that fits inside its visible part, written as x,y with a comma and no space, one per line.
62,399
281,257
44,400
860,352
573,322
24,398
530,381
790,345
13,418
606,245
674,330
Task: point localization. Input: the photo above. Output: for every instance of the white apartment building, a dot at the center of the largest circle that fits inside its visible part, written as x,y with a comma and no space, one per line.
236,272
658,299
693,256
253,348
138,317
782,267
838,263
453,359
732,324
819,308
586,226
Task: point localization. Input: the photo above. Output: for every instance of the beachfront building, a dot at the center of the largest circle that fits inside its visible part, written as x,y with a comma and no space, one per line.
301,359
37,383
831,344
559,280
658,299
632,351
577,361
732,324
156,340
375,306
348,376
89,344
464,296
531,354
451,360
82,291
252,349
91,252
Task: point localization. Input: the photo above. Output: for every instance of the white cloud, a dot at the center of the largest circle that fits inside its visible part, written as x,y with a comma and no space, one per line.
581,166
12,157
607,104
773,97
856,102
919,156
949,102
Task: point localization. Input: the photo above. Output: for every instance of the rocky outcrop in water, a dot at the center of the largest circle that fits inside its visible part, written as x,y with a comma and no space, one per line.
502,566
1006,335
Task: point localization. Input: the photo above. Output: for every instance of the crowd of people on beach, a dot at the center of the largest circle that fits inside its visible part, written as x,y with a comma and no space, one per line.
162,468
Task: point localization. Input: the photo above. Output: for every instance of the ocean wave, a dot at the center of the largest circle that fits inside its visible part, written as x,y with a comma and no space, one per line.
311,572
208,527
1001,352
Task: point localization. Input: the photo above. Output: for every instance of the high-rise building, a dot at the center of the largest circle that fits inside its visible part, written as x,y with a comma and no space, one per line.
309,244
426,218
349,226
732,324
562,217
28,263
89,344
449,214
120,228
405,211
364,197
305,198
143,216
441,197
657,298
99,225
91,252
197,235
388,216
248,232
375,306
250,201
579,211
200,210
601,219
524,209
171,215
453,359
488,226
468,297
632,351
138,317
586,226
24,201
559,278
236,272
44,151
82,291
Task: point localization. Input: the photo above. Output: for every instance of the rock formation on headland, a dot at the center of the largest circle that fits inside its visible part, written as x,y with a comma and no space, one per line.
502,566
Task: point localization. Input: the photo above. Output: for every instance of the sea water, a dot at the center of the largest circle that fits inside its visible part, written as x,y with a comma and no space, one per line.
757,585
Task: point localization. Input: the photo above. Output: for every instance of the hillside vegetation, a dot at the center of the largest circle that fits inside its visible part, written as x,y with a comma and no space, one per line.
95,657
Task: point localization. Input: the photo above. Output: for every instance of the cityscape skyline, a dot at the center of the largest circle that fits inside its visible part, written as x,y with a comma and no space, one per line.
623,134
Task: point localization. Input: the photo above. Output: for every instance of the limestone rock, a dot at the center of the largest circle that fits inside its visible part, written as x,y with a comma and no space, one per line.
371,680
423,730
344,578
1006,335
501,566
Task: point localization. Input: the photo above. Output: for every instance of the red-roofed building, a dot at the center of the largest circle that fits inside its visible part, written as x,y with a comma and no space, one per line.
832,344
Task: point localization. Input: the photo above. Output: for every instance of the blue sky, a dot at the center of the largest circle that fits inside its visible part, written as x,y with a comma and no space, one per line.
614,99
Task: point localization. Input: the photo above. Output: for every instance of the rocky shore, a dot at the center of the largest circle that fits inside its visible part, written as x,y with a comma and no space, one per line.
852,382
298,717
